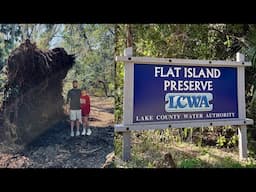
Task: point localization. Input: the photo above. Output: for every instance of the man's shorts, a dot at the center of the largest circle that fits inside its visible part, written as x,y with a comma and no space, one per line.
75,114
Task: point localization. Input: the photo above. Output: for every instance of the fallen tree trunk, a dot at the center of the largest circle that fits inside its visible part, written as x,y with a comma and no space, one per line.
33,94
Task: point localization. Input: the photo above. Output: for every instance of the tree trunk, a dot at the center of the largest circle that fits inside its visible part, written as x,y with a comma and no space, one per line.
129,34
115,52
104,87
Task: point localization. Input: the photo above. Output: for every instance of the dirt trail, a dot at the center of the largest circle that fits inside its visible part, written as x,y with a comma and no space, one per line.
55,148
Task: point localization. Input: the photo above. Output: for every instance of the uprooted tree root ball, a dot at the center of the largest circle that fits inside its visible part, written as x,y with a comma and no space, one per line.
33,94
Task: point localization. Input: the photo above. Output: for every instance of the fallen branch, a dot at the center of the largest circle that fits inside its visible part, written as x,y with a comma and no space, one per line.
91,151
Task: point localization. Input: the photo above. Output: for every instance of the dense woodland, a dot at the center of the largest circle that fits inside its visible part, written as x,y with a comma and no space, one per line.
92,45
192,41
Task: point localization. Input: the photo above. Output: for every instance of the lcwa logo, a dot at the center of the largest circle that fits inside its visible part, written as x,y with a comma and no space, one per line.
187,102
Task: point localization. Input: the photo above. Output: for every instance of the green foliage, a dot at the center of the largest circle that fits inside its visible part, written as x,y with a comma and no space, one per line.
93,46
227,137
233,141
221,141
118,144
119,92
190,163
251,163
228,162
9,35
149,147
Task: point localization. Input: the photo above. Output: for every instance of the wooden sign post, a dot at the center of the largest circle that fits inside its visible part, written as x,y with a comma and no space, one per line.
242,129
127,111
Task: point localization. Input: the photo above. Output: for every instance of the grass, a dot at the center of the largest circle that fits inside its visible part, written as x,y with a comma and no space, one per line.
149,149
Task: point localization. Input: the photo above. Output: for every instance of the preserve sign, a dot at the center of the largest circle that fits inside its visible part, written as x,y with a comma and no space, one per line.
181,92
162,93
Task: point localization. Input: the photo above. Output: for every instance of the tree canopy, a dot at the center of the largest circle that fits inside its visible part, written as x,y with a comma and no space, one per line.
92,44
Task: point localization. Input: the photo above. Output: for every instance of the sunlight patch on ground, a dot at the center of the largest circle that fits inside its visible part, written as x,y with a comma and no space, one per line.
102,113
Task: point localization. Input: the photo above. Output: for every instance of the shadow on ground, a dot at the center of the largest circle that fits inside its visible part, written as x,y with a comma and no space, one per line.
55,148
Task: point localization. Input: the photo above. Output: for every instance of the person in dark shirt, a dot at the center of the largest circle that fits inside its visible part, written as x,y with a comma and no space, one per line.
75,114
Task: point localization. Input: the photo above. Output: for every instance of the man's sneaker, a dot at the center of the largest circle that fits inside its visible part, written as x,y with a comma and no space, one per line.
89,131
72,134
77,133
84,132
